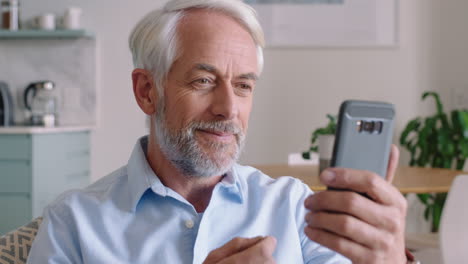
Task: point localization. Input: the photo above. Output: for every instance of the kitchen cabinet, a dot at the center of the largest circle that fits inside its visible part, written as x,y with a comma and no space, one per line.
36,165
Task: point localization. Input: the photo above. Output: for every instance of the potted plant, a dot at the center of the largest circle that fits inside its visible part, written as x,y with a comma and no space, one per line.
440,142
322,142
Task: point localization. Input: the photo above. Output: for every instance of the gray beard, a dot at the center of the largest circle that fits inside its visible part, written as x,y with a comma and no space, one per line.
182,149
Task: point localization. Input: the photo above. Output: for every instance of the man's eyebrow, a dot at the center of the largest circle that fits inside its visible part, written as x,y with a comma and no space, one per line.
212,69
249,76
205,67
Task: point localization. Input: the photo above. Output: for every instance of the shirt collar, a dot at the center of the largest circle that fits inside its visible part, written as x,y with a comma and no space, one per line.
231,183
141,177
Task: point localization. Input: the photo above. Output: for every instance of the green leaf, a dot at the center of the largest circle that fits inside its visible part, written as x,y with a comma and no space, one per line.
330,129
445,143
332,123
438,161
436,215
424,197
412,126
463,122
457,126
460,164
463,145
440,108
427,212
445,123
440,198
306,155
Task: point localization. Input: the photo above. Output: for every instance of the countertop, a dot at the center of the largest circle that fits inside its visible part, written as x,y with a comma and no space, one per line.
43,130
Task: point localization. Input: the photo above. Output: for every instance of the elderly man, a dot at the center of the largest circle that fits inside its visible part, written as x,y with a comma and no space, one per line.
182,198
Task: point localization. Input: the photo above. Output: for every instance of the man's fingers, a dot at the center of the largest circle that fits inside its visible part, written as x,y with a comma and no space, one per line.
355,252
261,252
234,246
354,204
349,227
266,247
366,182
392,163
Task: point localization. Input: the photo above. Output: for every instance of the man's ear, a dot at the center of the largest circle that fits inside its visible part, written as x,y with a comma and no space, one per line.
144,90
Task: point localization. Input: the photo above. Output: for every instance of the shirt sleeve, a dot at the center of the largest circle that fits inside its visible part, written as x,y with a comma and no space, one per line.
312,252
56,238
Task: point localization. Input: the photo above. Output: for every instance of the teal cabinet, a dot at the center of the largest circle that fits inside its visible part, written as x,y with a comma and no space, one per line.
35,168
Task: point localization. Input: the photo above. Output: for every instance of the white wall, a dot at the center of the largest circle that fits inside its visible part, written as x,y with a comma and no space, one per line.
298,87
452,67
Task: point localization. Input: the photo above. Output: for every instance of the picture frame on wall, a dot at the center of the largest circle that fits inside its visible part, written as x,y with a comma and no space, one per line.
328,23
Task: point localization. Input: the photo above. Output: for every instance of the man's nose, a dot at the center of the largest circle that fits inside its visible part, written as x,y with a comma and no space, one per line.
225,105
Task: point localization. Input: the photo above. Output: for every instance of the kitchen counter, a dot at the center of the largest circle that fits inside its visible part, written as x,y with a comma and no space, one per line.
43,130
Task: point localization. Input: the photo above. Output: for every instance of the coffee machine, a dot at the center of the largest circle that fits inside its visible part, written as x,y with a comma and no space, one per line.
6,106
41,101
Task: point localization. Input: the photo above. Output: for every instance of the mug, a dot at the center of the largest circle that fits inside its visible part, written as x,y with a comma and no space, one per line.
72,18
44,22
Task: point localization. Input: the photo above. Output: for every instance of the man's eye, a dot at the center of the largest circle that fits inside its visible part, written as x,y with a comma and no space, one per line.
203,81
245,86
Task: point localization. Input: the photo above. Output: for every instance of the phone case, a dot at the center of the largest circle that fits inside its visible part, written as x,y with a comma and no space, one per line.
364,136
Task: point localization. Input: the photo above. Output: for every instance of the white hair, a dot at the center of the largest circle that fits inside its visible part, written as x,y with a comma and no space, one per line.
154,43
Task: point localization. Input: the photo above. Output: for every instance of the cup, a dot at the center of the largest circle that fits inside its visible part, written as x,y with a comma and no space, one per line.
44,22
72,18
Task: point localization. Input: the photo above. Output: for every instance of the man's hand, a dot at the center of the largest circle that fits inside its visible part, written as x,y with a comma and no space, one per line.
244,250
363,230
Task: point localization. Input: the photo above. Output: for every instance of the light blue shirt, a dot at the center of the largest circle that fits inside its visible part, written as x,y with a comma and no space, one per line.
129,216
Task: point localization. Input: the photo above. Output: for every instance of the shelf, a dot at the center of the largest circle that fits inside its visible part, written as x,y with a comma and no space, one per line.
45,34
44,130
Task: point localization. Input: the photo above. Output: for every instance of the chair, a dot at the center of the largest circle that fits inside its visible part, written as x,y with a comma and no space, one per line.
15,245
454,223
450,246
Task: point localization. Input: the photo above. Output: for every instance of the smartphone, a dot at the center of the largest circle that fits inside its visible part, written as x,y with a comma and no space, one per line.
364,136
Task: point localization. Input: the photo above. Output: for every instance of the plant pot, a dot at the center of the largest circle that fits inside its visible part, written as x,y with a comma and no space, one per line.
325,149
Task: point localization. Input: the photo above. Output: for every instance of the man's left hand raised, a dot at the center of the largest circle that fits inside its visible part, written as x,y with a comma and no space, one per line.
362,229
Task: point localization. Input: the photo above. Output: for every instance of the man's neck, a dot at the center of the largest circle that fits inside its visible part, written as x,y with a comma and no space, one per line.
197,191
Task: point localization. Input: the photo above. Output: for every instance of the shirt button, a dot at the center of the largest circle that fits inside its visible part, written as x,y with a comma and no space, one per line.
189,224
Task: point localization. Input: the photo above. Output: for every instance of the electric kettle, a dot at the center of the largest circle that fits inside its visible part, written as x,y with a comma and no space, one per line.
41,101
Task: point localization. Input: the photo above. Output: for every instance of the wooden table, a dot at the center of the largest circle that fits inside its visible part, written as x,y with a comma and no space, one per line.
407,179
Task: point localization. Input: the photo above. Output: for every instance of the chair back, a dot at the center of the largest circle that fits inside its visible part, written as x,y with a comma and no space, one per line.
15,245
454,223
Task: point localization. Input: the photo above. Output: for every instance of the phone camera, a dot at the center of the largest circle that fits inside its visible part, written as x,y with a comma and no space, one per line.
378,127
371,127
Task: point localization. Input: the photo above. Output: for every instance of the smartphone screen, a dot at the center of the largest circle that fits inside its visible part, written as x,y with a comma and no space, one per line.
364,136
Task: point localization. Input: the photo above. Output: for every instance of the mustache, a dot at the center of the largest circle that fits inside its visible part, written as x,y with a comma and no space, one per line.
218,126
